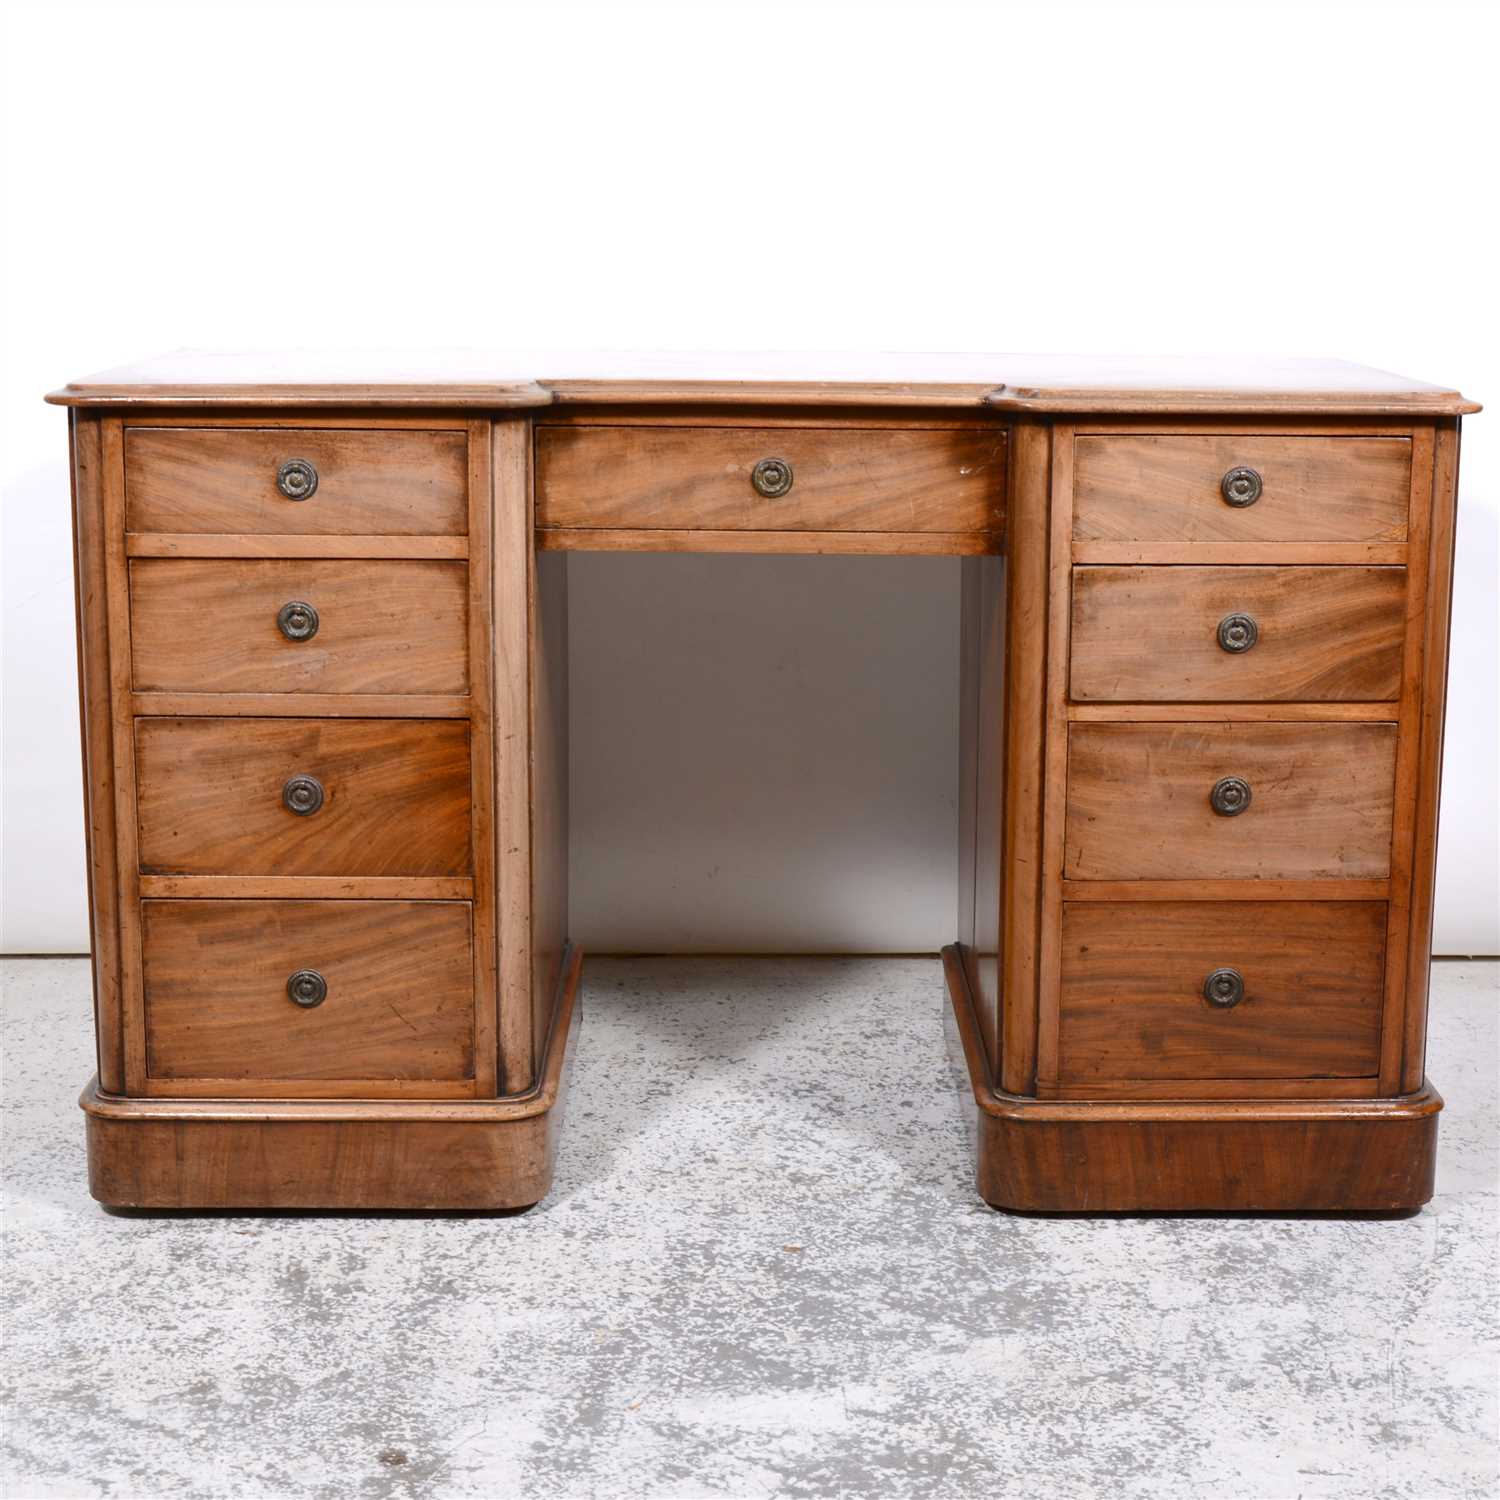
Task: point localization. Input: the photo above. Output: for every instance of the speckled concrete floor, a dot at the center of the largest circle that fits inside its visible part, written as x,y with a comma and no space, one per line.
762,1273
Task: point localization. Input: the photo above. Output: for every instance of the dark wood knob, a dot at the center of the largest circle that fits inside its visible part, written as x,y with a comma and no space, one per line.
297,620
1240,487
297,479
1224,988
1230,796
302,795
771,477
1238,633
307,988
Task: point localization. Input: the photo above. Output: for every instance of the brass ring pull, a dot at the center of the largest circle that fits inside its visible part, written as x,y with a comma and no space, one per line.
307,988
302,795
771,477
1224,988
297,479
1238,633
1230,796
1241,487
297,620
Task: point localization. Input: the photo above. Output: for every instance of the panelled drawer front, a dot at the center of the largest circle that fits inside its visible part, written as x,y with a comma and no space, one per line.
219,626
212,796
396,977
938,480
1140,801
1172,488
1133,1004
1237,634
344,483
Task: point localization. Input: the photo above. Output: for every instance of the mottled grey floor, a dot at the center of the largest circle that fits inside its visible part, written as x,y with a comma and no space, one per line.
762,1273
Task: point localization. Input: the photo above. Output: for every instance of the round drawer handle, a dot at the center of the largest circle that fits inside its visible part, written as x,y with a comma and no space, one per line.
302,795
1240,487
1236,633
1224,988
771,477
308,988
298,621
297,479
1230,796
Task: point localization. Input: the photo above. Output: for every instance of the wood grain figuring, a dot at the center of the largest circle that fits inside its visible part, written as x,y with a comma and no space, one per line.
513,592
1176,1156
1165,488
1053,715
1146,633
399,1008
127,853
482,756
904,480
396,797
549,791
383,627
1429,707
982,787
1024,767
198,479
1138,801
90,599
1408,762
1132,1004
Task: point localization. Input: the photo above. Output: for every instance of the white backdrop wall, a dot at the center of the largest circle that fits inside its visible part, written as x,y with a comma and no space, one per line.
1130,178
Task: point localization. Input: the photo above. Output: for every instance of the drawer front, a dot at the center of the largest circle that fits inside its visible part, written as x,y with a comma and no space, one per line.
295,481
287,626
377,796
1140,801
1189,488
707,478
385,993
1237,634
1303,999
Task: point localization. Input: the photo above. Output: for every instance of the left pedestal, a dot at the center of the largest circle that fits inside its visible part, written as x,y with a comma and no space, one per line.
330,961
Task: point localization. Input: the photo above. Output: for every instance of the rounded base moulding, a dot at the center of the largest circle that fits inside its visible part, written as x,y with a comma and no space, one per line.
1189,1156
435,1155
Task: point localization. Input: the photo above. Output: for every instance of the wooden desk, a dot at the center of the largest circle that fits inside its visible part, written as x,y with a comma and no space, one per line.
323,657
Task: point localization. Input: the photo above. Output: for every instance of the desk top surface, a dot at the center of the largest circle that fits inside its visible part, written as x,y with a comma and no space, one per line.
1045,383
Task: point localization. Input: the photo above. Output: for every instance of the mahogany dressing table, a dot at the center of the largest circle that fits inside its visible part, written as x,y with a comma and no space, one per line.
323,658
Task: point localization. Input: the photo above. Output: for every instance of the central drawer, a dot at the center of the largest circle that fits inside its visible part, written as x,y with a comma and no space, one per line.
1229,801
379,797
309,992
771,478
295,626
